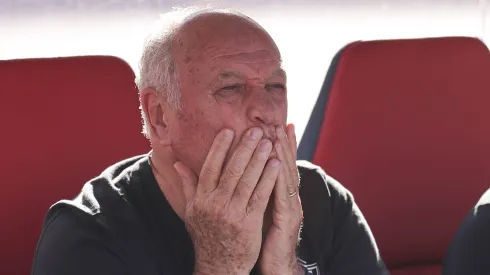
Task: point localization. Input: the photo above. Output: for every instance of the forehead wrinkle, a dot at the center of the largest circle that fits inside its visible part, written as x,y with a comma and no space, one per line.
227,74
256,56
230,74
277,72
251,62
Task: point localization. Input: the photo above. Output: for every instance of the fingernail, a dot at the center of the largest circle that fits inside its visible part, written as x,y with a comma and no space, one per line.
275,162
256,133
227,133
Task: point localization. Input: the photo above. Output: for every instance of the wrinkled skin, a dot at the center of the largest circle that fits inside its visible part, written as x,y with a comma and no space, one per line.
230,77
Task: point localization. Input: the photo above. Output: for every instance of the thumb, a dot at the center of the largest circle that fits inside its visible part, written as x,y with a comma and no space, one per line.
189,180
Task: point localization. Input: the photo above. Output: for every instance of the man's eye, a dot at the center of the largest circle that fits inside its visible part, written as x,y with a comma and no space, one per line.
276,86
232,87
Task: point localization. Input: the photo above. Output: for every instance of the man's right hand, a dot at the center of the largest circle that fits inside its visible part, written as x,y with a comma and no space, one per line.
226,204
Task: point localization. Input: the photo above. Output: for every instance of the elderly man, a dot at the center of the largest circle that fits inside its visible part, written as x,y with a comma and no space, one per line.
220,192
469,252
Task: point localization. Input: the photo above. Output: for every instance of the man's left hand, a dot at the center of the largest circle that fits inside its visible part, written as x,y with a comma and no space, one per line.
278,255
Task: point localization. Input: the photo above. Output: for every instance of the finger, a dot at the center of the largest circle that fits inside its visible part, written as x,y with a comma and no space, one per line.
286,156
282,201
213,165
285,144
251,176
238,162
189,180
262,192
286,190
292,139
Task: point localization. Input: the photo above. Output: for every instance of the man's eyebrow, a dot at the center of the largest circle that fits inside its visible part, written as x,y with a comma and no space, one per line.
230,74
279,72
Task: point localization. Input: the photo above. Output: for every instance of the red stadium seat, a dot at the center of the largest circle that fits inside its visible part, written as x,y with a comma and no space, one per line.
404,124
64,120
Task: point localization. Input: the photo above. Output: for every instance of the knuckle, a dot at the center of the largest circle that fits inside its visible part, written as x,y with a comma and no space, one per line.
220,144
219,147
281,217
283,200
249,145
261,157
268,175
234,170
295,174
256,164
210,170
256,197
293,170
246,182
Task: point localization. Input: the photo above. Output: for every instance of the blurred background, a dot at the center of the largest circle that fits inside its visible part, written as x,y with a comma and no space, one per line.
308,32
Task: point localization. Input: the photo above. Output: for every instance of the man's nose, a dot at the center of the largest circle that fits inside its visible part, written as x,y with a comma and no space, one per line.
261,109
262,113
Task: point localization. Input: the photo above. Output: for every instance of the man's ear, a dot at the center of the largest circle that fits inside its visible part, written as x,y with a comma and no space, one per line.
156,118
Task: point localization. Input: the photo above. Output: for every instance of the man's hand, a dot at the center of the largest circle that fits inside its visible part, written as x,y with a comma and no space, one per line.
226,204
278,254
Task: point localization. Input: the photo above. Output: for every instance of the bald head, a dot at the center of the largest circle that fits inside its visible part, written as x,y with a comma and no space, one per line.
185,37
227,29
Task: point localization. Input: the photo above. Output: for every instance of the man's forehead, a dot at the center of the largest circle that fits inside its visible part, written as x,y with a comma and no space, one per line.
228,62
257,52
227,74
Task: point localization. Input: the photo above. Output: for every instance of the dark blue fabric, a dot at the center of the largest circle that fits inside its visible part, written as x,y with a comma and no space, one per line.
469,252
122,224
308,142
